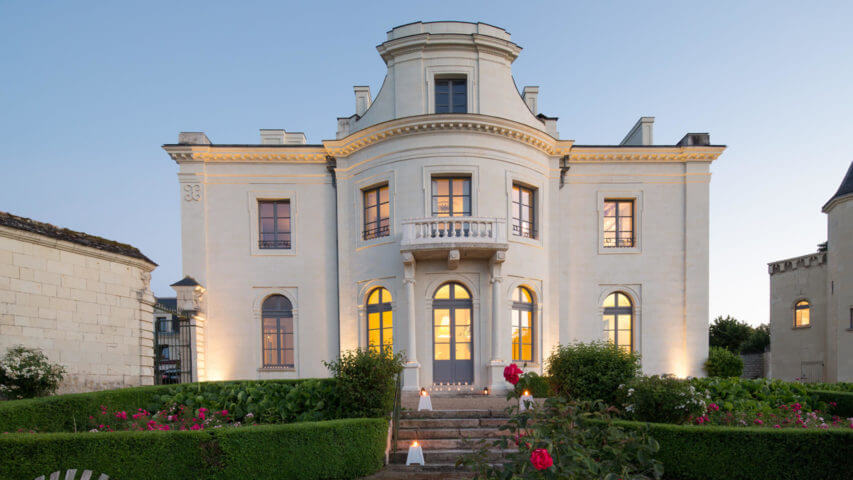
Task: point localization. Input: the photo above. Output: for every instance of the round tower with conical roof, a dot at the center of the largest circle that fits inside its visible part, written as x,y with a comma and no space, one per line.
839,210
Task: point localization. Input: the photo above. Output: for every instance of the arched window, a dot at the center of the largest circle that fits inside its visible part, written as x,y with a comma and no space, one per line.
802,311
619,320
453,341
380,321
522,325
277,313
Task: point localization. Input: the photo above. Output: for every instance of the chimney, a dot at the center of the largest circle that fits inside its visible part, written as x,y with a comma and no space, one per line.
193,138
271,136
362,99
695,140
641,132
530,95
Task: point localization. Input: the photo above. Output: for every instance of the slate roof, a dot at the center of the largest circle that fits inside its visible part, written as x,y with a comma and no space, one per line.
846,187
186,282
64,234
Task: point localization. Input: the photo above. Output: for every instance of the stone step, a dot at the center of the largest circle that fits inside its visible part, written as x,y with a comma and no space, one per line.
429,444
414,414
424,433
452,423
445,456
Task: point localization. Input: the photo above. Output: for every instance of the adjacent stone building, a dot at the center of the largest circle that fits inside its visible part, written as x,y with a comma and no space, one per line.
84,300
811,302
447,220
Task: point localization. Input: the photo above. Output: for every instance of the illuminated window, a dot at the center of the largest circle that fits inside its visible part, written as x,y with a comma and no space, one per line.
277,313
522,325
619,320
274,218
618,223
523,211
380,321
451,197
451,96
377,213
802,312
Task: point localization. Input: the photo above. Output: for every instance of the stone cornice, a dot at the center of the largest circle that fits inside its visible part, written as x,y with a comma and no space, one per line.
803,261
584,154
424,124
426,41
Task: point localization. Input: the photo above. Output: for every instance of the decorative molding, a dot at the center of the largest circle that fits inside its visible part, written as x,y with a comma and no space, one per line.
804,261
583,154
192,192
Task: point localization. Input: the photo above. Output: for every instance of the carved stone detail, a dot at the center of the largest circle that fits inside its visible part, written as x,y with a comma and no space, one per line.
192,192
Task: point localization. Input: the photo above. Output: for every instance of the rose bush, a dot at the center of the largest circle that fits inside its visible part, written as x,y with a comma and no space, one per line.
512,373
565,439
662,399
179,417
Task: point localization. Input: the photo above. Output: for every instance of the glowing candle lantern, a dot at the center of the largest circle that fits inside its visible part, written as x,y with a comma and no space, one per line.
416,454
486,391
525,401
424,402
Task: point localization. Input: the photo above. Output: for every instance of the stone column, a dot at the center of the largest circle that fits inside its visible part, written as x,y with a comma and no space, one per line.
412,367
497,384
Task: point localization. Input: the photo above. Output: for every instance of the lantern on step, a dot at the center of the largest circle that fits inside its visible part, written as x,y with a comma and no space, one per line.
424,402
416,454
525,401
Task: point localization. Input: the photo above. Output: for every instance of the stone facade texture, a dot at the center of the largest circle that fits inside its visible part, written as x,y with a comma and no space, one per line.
87,309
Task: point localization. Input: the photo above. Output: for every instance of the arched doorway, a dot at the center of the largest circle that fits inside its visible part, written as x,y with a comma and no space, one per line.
453,342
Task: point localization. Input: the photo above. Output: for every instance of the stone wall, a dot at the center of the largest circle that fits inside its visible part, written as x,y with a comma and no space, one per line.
87,309
754,365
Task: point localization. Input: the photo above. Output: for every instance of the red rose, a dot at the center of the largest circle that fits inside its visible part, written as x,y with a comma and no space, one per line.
541,459
511,373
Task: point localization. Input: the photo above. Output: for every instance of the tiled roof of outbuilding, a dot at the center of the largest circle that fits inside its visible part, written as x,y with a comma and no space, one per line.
64,234
186,282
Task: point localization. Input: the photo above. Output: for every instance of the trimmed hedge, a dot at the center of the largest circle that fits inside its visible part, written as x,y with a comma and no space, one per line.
70,413
753,453
843,400
348,448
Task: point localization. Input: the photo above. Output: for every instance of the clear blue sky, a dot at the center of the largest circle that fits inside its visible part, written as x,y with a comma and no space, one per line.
90,90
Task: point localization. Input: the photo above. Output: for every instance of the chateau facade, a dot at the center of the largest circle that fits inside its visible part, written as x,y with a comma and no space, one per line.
811,302
447,220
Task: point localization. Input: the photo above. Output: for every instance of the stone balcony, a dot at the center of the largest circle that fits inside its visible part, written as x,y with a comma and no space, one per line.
454,238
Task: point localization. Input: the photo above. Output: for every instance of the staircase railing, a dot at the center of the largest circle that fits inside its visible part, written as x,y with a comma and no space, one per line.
395,415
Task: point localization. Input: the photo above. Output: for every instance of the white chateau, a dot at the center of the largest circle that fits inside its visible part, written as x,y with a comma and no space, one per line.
811,302
447,220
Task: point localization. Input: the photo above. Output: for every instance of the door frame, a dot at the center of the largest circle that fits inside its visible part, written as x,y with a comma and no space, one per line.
452,305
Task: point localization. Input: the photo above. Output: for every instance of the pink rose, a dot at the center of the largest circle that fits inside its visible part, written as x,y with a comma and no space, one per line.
541,459
196,427
511,373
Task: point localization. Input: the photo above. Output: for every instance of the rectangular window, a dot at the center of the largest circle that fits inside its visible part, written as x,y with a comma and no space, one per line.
377,213
274,217
523,211
451,96
618,223
451,197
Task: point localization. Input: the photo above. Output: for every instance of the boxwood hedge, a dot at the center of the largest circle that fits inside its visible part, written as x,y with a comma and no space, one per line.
843,402
754,453
348,448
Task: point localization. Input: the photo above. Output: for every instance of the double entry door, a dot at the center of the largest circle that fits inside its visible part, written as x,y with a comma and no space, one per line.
453,345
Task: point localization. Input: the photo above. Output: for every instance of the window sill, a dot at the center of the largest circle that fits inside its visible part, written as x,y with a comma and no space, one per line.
602,250
277,369
801,327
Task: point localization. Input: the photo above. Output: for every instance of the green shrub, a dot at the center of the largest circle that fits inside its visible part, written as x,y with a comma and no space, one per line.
759,395
747,453
537,385
311,450
578,438
269,401
591,371
366,381
27,373
70,412
350,448
661,399
833,387
838,403
723,363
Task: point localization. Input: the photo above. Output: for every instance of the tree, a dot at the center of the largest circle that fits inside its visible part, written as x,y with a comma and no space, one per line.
728,333
758,340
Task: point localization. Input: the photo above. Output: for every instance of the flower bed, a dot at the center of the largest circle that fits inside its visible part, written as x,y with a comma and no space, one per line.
348,448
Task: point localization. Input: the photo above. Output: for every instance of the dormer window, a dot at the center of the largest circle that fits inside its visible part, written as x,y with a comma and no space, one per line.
451,95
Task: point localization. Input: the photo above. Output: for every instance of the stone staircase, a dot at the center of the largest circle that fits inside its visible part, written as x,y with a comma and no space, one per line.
445,435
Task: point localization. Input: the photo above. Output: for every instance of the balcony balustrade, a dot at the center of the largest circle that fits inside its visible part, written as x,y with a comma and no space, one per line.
471,236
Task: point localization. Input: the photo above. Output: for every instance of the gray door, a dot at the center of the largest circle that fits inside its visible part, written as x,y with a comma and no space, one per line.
453,342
